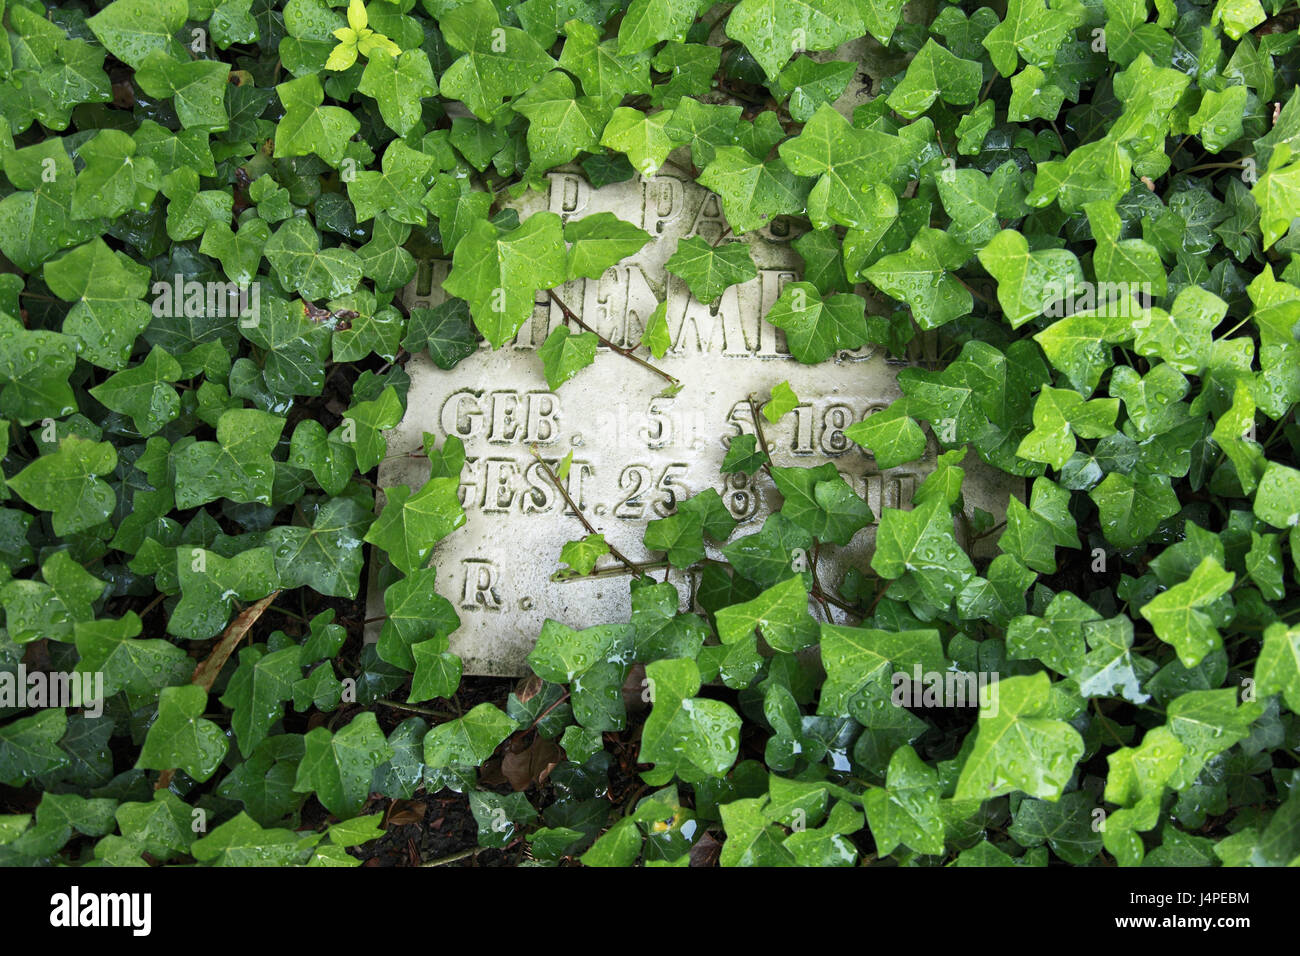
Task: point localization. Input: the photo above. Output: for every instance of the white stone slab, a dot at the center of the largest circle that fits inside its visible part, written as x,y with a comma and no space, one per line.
634,451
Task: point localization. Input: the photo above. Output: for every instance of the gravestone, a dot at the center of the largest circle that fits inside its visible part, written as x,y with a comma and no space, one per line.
636,451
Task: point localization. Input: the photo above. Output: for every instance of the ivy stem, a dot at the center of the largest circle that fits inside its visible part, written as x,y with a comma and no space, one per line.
612,572
758,431
631,565
427,711
462,854
563,698
571,316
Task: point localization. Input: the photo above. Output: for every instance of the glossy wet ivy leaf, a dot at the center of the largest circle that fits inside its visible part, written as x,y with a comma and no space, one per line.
1176,614
767,26
682,729
257,691
906,810
499,273
1022,742
237,465
339,766
182,737
129,662
411,524
105,289
780,614
816,327
468,740
564,354
67,482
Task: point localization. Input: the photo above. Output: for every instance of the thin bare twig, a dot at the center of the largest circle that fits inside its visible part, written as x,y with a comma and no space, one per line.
631,565
571,316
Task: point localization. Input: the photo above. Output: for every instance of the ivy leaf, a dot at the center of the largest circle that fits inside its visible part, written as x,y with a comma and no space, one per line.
753,192
1066,825
399,84
237,465
820,501
339,766
1275,500
302,265
607,74
1030,31
599,241
933,73
892,436
1277,194
415,614
444,331
561,124
581,555
642,138
855,166
498,61
396,191
708,270
564,354
1022,742
815,327
437,671
743,456
1183,336
1278,668
563,654
67,483
704,734
36,221
921,277
196,88
1059,415
1132,507
906,810
143,392
1176,614
921,542
855,656
327,557
1028,282
783,400
210,584
780,614
181,736
113,648
29,746
647,22
240,252
500,273
116,180
774,30
242,841
971,201
468,740
132,29
308,126
410,525
105,287
257,691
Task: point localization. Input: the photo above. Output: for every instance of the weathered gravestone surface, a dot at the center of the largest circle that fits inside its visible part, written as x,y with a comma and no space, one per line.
635,452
